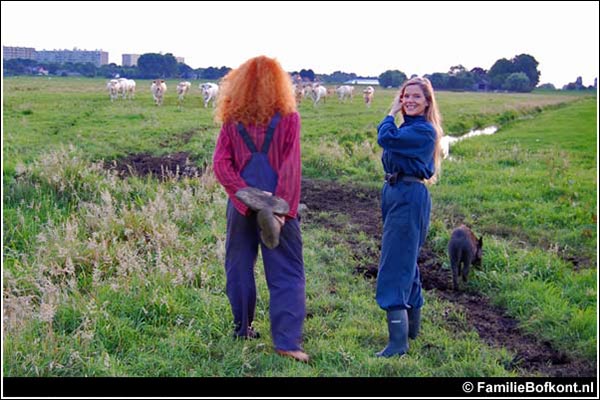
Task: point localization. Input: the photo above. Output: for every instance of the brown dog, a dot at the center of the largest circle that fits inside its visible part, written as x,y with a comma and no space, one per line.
464,248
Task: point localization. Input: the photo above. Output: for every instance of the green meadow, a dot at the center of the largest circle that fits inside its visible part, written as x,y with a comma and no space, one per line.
112,276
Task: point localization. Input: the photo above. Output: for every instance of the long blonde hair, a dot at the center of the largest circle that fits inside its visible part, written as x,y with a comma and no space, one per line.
432,114
254,91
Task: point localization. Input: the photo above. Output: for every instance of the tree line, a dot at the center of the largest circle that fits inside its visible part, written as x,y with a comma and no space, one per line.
519,74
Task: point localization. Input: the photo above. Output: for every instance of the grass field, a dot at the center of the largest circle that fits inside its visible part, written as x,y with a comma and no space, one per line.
111,276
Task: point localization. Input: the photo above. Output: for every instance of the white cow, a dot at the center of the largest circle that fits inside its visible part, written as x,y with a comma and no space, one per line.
308,90
159,87
182,89
368,94
113,86
127,88
318,92
209,93
345,92
298,92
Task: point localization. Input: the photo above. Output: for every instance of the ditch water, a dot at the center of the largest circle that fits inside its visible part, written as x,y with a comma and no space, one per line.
448,141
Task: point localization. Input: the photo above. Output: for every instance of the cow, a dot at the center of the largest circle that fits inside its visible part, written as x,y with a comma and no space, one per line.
298,92
345,92
114,87
209,93
158,88
368,94
463,248
182,89
318,92
307,89
127,88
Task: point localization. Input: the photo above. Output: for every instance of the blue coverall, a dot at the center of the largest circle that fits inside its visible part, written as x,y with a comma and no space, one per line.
284,265
406,207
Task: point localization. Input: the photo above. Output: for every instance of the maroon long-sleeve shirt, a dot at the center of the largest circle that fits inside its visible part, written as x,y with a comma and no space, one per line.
232,154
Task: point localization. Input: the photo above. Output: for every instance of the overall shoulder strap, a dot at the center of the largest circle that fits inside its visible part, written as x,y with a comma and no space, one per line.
244,134
270,132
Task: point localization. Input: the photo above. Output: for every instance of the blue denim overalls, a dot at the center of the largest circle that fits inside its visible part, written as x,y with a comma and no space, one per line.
284,265
406,209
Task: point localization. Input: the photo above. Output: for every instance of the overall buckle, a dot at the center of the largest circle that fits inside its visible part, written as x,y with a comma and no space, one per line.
392,178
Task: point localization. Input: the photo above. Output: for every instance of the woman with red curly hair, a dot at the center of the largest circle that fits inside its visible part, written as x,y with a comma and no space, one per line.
258,151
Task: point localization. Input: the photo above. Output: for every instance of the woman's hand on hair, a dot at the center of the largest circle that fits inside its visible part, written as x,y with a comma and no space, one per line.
396,106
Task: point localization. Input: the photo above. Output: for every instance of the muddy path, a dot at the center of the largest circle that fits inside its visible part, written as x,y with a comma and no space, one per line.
361,210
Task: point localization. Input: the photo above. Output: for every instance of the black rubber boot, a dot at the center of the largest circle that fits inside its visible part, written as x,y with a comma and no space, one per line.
414,322
398,330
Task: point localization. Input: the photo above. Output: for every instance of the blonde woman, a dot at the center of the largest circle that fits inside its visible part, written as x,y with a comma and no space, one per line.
411,159
258,148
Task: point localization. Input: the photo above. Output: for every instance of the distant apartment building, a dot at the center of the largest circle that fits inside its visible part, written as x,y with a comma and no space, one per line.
9,52
96,57
130,60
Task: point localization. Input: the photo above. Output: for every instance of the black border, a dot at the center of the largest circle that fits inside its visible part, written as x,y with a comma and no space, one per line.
284,387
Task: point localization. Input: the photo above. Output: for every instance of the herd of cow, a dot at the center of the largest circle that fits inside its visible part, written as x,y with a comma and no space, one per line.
126,89
317,92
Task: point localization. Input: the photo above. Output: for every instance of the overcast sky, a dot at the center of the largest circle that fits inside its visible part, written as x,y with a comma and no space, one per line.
360,37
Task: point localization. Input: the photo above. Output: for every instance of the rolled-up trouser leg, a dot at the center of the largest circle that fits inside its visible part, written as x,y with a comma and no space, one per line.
284,271
240,256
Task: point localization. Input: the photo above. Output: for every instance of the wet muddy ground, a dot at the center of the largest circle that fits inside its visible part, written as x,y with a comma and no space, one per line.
161,167
360,211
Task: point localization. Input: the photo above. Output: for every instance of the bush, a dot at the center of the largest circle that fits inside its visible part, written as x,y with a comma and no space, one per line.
392,78
517,82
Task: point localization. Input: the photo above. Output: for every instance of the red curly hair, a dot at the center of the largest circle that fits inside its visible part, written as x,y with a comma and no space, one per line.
254,91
